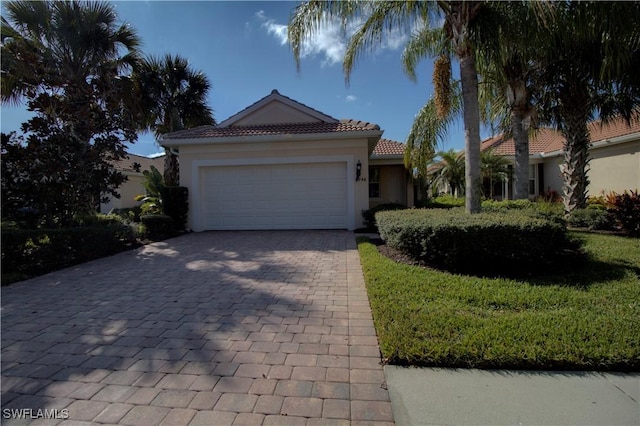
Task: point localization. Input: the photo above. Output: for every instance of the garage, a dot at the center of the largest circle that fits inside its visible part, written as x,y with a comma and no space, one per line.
277,164
275,196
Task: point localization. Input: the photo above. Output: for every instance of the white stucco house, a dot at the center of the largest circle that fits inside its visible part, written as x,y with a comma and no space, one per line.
280,164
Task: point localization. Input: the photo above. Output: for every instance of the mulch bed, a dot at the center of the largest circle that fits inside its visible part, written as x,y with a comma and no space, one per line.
395,255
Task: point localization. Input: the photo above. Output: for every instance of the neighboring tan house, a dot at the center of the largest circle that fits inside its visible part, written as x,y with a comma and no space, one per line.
614,159
132,167
279,164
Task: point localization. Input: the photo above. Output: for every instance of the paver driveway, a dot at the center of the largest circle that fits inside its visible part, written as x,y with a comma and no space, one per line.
205,329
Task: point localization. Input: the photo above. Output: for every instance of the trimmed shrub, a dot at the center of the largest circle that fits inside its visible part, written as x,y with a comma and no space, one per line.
514,242
625,209
591,218
156,225
175,203
369,216
445,202
31,252
504,205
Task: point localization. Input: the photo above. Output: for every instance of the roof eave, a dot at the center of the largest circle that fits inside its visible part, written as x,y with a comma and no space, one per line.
629,137
356,134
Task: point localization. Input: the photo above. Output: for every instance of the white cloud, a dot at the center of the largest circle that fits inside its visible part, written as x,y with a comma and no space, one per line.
350,98
329,40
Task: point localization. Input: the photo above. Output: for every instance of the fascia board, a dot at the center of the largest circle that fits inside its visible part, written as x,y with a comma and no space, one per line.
272,138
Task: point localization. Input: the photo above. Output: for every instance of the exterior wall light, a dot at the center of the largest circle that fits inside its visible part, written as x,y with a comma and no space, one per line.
358,170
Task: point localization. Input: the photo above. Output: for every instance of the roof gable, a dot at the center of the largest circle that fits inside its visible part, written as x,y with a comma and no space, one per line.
276,109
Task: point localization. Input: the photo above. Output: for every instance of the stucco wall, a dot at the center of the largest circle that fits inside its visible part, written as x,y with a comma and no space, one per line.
192,157
128,190
612,168
393,185
615,168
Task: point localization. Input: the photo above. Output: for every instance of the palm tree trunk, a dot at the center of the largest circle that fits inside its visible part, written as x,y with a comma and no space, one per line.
469,80
576,161
521,139
171,168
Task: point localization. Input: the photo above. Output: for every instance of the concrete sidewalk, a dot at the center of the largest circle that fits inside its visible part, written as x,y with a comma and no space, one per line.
432,396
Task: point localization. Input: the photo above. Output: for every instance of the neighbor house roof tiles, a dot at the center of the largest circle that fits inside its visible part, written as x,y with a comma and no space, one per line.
549,140
387,147
272,129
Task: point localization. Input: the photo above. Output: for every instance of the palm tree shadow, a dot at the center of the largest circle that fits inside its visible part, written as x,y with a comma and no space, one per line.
167,309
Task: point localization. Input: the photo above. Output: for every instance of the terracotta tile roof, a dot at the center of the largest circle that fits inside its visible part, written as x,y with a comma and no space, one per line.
127,164
272,129
612,130
549,140
388,147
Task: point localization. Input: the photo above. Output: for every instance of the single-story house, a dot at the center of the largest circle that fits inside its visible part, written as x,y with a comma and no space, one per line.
280,164
132,167
614,159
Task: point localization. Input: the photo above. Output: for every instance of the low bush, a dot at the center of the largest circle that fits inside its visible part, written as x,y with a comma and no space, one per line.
503,243
131,214
369,216
31,252
445,202
590,218
625,209
98,219
504,205
156,225
175,203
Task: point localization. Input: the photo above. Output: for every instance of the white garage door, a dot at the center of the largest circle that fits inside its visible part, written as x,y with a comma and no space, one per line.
275,196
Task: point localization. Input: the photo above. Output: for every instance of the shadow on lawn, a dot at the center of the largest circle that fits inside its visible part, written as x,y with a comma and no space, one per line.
575,269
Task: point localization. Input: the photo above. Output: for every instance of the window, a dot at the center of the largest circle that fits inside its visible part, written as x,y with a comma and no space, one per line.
532,178
374,182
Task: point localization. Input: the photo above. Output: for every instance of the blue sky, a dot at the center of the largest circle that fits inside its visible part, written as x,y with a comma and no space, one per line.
242,48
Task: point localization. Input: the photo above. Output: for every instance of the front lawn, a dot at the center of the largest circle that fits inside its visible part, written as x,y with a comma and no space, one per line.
587,318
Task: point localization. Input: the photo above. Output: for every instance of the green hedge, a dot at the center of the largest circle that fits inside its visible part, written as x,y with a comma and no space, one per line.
504,243
175,203
157,226
31,252
591,218
368,216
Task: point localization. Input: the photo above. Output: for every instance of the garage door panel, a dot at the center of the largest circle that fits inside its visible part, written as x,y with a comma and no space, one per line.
274,196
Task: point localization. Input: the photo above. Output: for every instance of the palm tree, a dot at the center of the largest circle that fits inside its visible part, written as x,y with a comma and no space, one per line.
493,168
506,64
589,70
451,170
453,40
64,47
174,97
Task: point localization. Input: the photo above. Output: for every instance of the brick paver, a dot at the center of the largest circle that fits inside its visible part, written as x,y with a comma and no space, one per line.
265,328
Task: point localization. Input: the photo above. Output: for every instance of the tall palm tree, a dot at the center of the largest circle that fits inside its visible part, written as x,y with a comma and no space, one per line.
506,63
588,71
174,97
377,18
62,46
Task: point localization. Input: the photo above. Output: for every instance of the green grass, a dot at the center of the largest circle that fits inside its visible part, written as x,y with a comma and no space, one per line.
587,318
